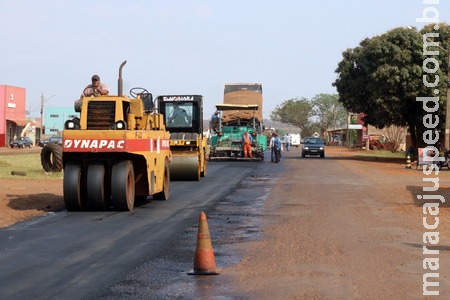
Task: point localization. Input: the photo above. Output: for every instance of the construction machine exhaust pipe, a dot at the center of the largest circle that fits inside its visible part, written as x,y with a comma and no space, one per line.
120,83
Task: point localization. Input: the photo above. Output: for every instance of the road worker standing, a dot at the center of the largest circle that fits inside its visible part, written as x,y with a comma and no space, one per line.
247,144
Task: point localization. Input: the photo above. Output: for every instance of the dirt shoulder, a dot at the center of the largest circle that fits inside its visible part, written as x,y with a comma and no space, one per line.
24,199
355,235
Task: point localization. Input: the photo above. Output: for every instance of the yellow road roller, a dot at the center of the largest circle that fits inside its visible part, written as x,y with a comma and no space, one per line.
117,150
183,117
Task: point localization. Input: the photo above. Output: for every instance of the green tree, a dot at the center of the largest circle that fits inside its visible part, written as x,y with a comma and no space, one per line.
295,112
310,129
384,75
328,111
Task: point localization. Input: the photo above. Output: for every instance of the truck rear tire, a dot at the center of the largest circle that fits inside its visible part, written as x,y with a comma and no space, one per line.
96,190
164,194
74,198
122,186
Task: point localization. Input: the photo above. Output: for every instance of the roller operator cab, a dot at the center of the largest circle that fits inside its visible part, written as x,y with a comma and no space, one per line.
183,116
115,152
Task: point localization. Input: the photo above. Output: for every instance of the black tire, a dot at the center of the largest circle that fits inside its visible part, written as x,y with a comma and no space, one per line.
73,191
18,173
122,186
97,194
51,158
164,194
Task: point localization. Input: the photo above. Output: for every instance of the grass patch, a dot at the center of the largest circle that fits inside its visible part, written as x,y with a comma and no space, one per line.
379,156
381,153
29,164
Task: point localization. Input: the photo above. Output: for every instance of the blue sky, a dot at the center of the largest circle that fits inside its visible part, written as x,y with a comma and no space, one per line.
53,47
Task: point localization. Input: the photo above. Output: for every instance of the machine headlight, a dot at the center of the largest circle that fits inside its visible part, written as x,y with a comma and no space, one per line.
71,125
188,142
119,125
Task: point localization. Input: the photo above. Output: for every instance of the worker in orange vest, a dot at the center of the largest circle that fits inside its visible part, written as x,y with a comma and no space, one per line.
247,144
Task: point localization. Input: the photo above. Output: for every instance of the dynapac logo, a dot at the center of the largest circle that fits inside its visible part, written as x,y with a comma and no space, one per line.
178,98
94,144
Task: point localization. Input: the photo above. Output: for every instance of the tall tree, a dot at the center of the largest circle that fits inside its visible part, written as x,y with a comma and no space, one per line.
295,112
329,112
383,77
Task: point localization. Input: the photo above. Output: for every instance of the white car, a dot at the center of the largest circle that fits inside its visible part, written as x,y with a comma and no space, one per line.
295,140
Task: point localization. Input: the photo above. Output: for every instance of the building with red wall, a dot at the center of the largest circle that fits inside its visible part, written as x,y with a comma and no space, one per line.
12,113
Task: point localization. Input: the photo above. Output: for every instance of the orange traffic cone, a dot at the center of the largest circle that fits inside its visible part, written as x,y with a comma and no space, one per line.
204,262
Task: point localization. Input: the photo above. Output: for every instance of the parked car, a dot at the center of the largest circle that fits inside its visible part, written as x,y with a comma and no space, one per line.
53,139
313,146
21,142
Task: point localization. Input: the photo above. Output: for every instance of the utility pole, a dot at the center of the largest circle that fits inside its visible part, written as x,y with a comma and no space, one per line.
42,114
42,111
447,114
347,136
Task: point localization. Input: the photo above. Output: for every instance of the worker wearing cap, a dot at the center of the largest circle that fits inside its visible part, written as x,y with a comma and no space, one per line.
215,115
215,121
96,88
247,144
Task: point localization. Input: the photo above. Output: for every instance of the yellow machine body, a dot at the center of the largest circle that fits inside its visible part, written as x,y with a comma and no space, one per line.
183,116
116,151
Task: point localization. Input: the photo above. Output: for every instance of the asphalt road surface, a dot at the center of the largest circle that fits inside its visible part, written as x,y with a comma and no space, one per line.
76,255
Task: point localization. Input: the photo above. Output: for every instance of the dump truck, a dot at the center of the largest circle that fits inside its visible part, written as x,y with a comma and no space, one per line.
116,151
183,116
241,111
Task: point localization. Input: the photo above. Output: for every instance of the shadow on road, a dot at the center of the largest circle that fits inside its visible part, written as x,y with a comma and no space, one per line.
45,201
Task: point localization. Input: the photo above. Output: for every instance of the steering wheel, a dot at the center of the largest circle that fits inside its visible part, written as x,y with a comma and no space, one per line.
134,92
90,91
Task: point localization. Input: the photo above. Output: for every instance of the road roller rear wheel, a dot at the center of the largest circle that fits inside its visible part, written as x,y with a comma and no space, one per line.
122,185
73,191
199,173
96,191
164,194
185,167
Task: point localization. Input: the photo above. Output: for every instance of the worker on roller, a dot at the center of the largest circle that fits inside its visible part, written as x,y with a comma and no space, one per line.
247,144
96,88
179,117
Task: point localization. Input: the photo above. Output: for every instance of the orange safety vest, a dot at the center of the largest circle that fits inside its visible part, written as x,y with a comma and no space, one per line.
246,138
